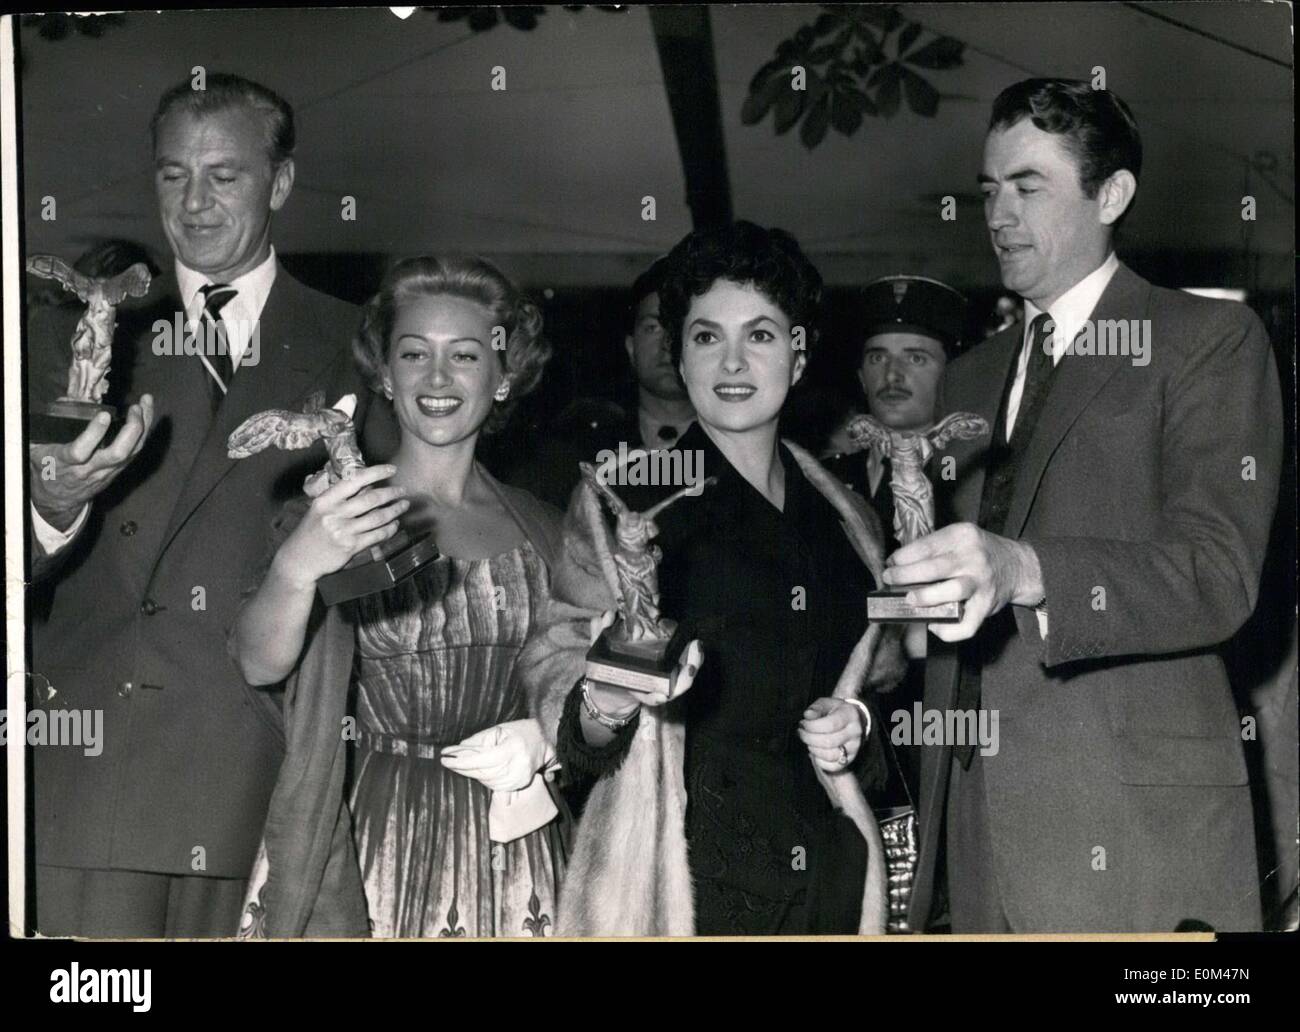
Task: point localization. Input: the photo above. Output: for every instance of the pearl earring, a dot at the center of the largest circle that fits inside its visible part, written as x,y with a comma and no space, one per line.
503,391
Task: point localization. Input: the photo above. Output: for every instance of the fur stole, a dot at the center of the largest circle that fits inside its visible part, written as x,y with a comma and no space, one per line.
628,873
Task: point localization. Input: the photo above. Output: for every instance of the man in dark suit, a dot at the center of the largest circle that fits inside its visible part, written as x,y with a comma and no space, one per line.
589,426
1109,537
147,543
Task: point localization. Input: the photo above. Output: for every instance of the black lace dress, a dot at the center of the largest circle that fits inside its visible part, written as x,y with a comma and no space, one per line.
778,601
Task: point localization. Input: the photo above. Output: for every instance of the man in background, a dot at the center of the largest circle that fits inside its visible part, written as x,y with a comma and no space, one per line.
589,426
910,326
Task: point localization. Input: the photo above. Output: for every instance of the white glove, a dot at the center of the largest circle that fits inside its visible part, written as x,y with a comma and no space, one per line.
504,758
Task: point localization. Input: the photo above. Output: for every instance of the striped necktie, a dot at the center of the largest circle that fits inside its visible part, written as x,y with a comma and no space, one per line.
221,368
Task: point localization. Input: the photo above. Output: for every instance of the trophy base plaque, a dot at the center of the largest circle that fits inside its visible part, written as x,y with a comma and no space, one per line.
638,666
379,568
892,607
60,422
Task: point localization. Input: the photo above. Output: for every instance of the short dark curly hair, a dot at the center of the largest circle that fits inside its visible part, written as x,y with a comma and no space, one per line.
474,279
1096,126
741,252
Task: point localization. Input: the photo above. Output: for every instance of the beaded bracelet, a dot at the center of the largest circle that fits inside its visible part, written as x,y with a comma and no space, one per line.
607,722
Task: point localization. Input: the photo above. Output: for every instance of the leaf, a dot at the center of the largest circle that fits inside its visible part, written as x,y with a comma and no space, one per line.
841,77
789,106
759,100
524,18
846,116
943,52
921,96
761,76
813,130
862,102
907,38
827,23
887,94
887,18
870,51
817,88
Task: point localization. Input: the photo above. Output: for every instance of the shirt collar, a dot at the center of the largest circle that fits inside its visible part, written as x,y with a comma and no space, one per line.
649,431
1072,309
254,287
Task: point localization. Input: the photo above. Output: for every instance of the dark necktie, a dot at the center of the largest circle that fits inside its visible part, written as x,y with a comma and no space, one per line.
883,501
1037,374
215,297
996,498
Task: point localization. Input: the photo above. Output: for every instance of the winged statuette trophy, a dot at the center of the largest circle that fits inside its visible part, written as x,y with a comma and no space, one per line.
641,649
908,452
64,419
377,568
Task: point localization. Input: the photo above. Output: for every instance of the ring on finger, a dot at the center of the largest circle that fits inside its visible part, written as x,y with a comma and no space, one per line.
844,755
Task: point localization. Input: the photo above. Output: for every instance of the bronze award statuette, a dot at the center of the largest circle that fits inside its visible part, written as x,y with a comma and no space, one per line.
377,568
908,453
92,349
641,649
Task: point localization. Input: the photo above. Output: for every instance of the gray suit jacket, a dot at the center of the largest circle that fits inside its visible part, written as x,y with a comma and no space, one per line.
1118,799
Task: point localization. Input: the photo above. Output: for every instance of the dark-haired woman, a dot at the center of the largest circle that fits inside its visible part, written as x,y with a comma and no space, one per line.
728,804
440,733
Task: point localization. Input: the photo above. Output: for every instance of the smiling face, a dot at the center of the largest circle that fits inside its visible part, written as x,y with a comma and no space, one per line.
441,369
900,376
1047,235
737,358
216,190
648,351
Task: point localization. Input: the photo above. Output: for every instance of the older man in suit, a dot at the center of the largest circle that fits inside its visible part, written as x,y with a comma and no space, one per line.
1108,537
147,542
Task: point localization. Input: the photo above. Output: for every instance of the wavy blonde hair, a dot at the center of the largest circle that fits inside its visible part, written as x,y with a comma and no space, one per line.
474,279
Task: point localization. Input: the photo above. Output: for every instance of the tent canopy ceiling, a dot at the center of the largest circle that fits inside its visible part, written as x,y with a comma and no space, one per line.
550,173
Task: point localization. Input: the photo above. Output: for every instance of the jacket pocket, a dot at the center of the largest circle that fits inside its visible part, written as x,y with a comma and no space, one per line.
1160,760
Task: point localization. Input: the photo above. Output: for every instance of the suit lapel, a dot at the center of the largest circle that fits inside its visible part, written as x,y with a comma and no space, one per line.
1078,380
976,386
290,359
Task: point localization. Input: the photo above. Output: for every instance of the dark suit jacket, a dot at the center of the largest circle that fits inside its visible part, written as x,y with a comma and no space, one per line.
143,597
850,469
1118,800
549,468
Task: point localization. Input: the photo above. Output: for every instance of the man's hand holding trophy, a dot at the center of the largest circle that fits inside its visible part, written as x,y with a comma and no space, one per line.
913,502
72,458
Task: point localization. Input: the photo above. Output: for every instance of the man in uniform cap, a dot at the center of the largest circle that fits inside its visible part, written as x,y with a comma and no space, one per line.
910,324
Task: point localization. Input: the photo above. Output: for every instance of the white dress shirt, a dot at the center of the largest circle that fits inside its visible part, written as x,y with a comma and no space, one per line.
1071,310
649,428
240,315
